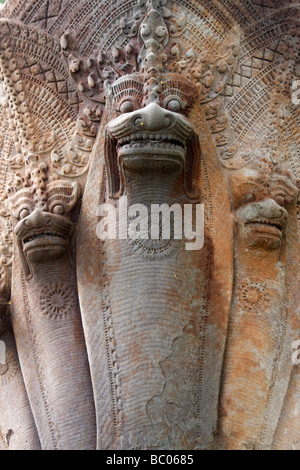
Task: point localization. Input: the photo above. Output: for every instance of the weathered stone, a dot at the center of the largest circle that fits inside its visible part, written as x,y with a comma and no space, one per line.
139,342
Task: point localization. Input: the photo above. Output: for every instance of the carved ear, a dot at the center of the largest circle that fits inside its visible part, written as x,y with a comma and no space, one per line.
193,167
193,156
112,166
63,193
22,199
105,149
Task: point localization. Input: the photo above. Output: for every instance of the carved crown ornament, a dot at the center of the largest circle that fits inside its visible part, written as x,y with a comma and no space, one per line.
153,49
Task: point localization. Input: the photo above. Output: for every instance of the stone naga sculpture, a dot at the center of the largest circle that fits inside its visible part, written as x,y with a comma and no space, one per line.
18,430
140,340
149,323
45,311
262,327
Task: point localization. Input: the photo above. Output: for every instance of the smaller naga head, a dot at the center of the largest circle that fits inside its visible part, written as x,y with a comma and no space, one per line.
41,216
261,204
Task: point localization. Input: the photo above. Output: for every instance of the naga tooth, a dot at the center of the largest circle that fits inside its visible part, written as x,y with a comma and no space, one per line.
91,81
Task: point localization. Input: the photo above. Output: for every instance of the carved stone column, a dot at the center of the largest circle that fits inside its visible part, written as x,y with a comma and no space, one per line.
17,427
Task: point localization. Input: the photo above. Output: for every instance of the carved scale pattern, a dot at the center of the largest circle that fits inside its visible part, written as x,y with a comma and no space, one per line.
37,364
111,346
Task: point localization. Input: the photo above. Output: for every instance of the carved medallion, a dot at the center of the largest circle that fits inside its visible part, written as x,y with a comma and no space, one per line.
57,300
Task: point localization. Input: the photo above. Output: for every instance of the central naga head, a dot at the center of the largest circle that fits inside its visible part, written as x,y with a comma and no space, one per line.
147,112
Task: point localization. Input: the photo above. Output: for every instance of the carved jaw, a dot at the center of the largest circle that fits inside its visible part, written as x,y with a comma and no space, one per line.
151,138
43,235
142,150
262,224
151,134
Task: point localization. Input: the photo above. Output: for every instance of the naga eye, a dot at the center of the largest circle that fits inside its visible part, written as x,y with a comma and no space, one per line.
174,106
280,200
249,198
127,107
23,213
58,209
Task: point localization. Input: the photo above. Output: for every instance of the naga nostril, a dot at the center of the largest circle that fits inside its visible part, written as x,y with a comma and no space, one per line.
47,220
167,122
139,122
27,223
282,214
153,118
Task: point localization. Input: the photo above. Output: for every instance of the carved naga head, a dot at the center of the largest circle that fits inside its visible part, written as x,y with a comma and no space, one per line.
149,93
41,216
147,112
262,200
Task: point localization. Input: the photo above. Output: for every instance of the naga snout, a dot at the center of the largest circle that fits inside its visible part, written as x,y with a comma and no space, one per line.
44,232
263,223
152,132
